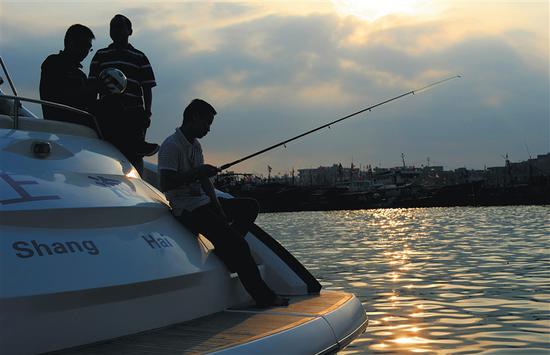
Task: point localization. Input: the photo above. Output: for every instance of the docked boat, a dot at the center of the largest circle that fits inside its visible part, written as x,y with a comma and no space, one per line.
92,261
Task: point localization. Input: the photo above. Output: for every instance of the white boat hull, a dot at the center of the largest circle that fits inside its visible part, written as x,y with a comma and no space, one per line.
91,252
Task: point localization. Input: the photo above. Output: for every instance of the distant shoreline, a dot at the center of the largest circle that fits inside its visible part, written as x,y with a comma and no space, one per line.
289,198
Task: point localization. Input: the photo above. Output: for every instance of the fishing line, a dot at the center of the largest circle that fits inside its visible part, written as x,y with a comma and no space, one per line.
283,143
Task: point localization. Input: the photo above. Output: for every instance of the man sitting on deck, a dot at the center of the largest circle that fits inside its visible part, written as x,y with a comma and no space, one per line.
186,181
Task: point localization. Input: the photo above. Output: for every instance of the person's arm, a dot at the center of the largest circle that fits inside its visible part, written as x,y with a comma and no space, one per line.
93,76
47,91
45,83
170,179
147,82
209,189
147,98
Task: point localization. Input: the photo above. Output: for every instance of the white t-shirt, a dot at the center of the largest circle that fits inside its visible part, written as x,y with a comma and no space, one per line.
178,154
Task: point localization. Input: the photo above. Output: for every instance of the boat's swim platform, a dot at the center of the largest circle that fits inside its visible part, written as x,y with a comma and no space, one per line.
314,324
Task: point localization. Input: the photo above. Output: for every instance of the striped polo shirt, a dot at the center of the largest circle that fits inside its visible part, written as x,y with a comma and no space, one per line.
133,63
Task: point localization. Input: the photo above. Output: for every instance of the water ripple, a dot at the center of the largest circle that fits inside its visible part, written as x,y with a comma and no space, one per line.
433,280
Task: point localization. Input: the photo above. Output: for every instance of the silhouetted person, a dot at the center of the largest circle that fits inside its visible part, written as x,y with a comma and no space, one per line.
135,65
185,179
63,81
116,121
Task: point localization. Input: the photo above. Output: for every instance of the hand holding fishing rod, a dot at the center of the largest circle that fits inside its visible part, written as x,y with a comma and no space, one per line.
424,88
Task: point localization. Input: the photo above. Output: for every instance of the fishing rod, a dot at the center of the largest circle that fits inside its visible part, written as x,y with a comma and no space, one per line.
412,92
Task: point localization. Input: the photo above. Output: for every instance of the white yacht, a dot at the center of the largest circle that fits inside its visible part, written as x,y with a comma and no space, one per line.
92,261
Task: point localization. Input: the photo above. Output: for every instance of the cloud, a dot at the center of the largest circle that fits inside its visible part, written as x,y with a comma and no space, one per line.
273,73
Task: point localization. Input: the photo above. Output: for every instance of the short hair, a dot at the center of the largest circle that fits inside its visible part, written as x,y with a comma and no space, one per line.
125,19
78,32
200,107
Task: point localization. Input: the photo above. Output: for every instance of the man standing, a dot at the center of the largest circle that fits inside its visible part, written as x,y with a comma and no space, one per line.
62,79
185,179
138,97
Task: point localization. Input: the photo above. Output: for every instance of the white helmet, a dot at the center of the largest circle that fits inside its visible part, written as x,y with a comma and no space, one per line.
113,80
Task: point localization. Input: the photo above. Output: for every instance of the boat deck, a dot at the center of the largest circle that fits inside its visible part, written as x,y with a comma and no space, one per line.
220,331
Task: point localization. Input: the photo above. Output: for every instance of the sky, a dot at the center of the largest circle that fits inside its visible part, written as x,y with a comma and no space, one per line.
275,69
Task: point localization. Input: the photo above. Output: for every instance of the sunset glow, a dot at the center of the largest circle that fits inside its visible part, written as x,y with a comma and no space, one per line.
373,10
279,68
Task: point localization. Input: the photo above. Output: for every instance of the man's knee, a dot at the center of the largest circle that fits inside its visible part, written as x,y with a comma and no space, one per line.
249,207
253,205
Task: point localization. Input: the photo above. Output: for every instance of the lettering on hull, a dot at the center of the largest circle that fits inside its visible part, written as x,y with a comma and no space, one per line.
157,241
24,196
29,249
120,188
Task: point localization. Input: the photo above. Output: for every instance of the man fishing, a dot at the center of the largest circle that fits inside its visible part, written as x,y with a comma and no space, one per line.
185,179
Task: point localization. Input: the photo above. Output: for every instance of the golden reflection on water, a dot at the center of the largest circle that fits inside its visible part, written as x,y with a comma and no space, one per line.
438,280
410,340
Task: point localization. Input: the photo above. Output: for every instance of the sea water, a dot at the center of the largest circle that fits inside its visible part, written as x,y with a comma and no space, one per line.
433,280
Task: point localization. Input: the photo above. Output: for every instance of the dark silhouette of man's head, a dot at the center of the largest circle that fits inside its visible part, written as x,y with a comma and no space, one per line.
78,41
120,29
197,118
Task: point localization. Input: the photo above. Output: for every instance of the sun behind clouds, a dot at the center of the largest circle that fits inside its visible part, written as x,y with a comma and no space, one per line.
373,10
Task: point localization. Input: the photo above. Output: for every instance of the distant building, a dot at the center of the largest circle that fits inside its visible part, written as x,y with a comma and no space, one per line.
520,173
327,176
540,165
496,176
525,172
